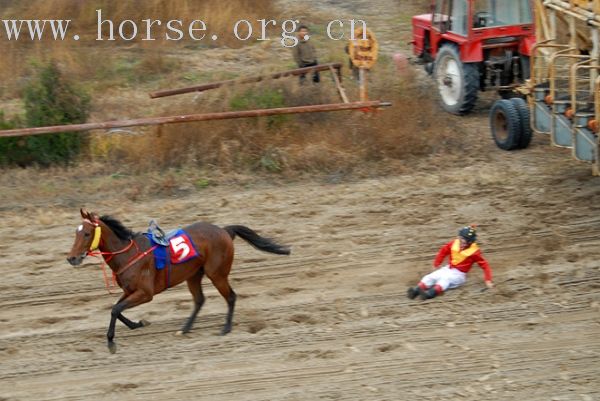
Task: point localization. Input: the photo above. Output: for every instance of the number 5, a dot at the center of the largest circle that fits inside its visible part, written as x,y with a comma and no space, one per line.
179,245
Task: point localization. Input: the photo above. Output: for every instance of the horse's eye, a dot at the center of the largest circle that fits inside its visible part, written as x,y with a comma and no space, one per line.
86,234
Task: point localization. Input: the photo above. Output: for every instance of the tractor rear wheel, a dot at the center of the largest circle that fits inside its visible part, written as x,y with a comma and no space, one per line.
526,132
457,82
505,123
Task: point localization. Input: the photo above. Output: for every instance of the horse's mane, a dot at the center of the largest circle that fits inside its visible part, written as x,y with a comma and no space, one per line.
118,228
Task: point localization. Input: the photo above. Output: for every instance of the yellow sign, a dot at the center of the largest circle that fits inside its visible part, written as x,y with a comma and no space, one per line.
364,49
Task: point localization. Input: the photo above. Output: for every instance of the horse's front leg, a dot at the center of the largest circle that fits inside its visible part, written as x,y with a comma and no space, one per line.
136,298
129,323
133,325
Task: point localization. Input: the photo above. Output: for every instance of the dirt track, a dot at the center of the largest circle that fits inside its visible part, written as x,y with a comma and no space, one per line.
332,321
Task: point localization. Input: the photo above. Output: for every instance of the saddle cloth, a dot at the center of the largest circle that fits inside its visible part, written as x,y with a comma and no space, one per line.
173,248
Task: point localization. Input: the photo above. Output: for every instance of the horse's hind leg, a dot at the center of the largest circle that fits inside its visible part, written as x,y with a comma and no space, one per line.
195,285
227,292
217,269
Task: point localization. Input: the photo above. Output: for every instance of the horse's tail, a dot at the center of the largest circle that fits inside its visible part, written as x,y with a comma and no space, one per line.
260,243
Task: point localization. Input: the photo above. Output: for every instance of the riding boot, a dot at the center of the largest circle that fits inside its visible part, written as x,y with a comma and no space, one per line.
431,293
413,292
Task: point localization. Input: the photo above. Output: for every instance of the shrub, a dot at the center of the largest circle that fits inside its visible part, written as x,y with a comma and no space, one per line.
50,99
264,99
10,148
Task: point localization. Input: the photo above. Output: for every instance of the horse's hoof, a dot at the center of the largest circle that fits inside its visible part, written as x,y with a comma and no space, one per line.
144,323
112,348
225,331
180,333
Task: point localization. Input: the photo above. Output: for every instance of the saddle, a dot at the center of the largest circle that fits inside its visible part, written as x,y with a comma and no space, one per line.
171,248
157,234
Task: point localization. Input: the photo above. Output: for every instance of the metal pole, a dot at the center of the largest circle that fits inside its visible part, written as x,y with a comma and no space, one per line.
594,56
572,32
214,85
542,28
319,108
565,7
553,24
596,165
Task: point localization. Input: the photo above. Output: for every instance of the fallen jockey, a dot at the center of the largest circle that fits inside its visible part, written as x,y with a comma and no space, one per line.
463,252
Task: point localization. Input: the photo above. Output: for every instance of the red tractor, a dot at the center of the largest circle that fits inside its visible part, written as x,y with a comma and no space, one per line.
473,45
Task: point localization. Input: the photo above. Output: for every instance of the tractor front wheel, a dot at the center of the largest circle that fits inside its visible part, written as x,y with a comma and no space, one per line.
457,82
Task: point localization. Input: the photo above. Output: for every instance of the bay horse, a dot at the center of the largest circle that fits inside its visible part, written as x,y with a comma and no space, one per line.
129,256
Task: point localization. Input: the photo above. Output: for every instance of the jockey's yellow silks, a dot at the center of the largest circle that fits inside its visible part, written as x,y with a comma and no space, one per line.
96,240
457,256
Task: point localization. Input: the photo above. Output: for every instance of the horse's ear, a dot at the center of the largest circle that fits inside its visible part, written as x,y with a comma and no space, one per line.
94,217
84,214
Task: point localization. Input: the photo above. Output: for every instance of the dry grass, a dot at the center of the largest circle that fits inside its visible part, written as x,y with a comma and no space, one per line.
89,58
343,142
181,159
220,16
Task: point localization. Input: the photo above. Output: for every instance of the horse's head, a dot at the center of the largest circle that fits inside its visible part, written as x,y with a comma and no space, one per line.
87,238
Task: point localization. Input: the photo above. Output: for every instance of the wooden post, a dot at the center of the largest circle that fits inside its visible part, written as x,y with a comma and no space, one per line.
364,93
363,51
338,84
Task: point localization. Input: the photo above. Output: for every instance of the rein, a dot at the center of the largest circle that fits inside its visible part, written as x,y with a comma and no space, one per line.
136,258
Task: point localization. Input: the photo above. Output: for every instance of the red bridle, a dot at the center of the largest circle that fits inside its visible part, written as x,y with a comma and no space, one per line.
136,258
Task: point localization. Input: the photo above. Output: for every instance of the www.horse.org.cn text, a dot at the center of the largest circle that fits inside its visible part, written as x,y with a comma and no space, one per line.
151,30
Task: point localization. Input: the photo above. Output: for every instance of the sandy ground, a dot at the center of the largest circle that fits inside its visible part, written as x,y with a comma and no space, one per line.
330,322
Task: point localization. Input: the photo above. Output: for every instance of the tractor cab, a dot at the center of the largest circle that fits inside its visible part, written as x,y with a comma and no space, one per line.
472,45
491,14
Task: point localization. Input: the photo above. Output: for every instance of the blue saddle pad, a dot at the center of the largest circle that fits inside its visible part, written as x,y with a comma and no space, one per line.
180,249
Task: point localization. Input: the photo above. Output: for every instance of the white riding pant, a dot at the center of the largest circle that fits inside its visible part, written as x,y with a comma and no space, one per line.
445,277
